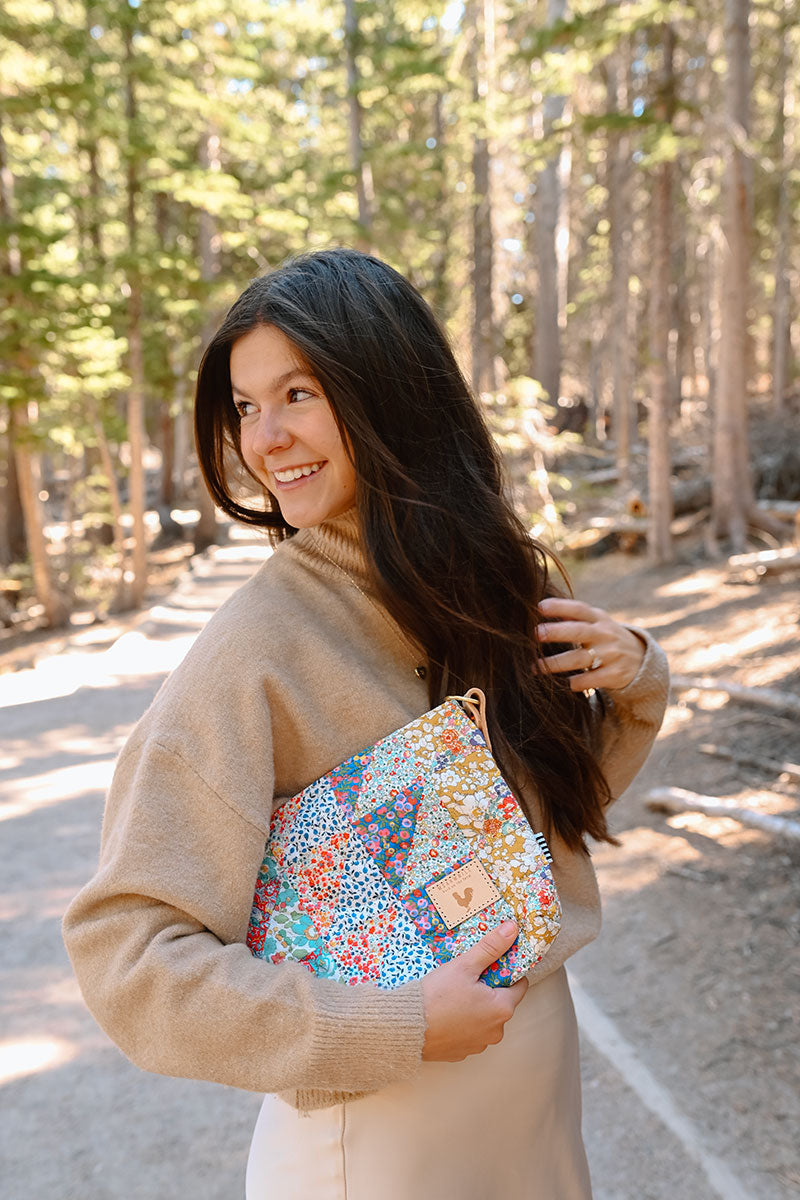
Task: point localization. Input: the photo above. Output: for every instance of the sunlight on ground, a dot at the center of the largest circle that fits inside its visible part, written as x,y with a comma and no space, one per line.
52,677
66,783
134,654
28,1056
732,653
137,654
691,585
712,827
706,701
643,858
676,715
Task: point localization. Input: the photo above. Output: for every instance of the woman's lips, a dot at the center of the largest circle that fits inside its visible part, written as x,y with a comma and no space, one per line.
290,484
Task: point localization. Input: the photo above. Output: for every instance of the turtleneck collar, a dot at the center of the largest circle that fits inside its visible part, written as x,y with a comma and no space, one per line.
338,542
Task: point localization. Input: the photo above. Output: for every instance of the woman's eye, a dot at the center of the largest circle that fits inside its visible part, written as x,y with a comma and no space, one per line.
298,393
243,407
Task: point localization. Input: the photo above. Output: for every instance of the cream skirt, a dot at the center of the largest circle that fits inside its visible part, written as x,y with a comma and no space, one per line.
504,1124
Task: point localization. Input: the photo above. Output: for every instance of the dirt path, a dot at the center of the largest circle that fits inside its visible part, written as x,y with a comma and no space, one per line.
698,962
685,1002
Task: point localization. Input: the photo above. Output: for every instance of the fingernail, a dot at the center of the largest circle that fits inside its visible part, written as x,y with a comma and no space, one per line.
508,926
542,630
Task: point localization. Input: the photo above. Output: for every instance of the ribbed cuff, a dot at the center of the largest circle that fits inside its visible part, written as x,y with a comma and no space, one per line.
649,687
365,1037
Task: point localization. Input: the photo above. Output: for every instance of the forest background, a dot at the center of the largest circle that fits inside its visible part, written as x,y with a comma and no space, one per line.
598,199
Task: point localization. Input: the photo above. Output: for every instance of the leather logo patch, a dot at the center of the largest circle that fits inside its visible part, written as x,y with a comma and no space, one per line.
462,893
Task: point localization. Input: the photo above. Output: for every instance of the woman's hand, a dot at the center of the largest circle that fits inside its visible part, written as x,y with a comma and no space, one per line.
607,654
463,1016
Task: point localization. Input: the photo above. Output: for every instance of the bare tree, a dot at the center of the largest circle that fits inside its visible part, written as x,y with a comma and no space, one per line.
659,538
136,392
206,532
552,239
781,317
13,543
620,234
733,498
479,22
361,168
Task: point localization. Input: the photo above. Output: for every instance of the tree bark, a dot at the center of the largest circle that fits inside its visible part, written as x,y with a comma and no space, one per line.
206,532
480,19
781,315
441,256
551,233
13,542
56,611
733,487
659,537
619,219
365,194
136,401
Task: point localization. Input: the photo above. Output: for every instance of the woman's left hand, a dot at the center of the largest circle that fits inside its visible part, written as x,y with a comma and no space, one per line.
606,654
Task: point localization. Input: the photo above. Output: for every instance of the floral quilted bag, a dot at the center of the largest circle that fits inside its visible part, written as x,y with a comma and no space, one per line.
403,857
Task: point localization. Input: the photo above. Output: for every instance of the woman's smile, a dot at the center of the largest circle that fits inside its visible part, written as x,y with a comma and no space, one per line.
288,435
287,476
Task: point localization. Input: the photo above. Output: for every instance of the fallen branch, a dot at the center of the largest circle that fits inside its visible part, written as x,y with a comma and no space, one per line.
767,562
782,508
769,698
752,760
677,800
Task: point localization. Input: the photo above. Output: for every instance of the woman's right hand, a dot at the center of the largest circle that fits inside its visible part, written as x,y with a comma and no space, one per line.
464,1016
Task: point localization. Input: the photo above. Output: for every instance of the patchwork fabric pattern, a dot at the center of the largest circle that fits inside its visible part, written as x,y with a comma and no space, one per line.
342,888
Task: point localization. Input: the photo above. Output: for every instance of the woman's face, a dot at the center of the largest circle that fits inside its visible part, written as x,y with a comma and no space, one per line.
289,438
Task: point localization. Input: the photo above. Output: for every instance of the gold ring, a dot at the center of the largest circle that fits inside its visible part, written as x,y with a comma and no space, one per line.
596,661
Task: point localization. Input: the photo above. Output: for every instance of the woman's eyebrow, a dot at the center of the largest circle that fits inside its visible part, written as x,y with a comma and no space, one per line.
278,383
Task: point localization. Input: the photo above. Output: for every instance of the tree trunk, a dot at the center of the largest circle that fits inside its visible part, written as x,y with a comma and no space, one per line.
551,239
781,315
167,440
679,326
480,20
122,598
206,532
619,219
440,258
181,426
363,172
136,430
13,543
659,537
733,488
55,610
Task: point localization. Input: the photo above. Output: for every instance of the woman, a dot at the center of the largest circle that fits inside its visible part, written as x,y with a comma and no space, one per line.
401,574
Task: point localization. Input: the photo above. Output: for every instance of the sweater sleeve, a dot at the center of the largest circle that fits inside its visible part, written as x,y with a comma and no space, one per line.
633,717
156,941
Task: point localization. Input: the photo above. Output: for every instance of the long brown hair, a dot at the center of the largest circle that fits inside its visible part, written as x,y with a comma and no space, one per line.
451,561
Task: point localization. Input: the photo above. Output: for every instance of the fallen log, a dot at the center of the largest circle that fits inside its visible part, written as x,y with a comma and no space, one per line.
753,760
779,508
677,800
601,475
766,562
769,698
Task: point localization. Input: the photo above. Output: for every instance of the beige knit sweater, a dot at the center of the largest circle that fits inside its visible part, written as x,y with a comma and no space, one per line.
297,671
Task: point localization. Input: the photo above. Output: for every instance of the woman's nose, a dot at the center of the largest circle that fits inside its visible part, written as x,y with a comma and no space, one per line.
270,433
